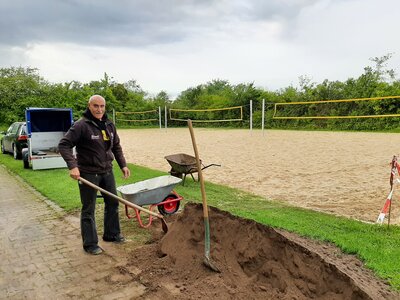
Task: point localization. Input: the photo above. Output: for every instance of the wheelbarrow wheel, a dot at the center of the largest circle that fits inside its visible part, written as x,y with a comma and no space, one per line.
169,208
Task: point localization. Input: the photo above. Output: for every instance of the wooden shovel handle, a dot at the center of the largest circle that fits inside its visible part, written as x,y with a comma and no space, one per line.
200,173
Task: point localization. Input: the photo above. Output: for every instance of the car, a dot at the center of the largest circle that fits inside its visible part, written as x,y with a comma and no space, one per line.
15,139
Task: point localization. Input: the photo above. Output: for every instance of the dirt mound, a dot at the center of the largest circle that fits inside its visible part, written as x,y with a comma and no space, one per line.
256,262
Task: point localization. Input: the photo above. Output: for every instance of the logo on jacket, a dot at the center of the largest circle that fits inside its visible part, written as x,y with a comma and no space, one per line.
95,137
105,136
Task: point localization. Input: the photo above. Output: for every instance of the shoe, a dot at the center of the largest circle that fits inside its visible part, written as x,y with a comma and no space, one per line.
115,239
94,250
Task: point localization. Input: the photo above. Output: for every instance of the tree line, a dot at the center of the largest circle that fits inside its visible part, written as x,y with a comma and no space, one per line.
24,87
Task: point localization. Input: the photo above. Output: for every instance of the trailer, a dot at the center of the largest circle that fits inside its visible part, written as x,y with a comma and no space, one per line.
45,128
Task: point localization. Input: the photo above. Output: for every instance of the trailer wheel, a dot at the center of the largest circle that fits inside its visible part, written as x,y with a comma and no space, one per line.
169,208
26,161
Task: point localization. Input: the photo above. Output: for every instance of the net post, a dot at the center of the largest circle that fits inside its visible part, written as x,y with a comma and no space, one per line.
113,114
251,115
159,115
263,115
165,117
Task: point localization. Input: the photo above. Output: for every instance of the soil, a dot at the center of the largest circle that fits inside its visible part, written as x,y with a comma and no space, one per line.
342,173
255,262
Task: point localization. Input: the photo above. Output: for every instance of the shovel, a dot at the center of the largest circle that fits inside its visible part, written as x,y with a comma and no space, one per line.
127,203
206,260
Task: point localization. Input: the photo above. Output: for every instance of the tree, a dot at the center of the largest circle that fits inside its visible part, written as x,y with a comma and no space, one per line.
384,74
19,88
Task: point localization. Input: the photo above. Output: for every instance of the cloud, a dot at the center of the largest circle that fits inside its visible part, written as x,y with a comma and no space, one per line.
129,23
176,44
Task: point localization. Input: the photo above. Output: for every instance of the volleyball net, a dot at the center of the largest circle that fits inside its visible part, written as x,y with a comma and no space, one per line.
329,109
130,117
226,114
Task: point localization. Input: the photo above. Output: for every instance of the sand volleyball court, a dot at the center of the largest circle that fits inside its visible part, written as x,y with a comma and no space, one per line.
344,173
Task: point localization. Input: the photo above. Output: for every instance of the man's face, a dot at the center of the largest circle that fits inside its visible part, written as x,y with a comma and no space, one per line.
97,107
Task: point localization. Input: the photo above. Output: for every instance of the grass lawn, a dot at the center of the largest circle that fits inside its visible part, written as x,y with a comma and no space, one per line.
377,246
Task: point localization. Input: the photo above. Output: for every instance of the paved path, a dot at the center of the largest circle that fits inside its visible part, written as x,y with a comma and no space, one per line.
41,255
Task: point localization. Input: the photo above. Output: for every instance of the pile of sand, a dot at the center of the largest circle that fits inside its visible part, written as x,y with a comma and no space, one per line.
256,262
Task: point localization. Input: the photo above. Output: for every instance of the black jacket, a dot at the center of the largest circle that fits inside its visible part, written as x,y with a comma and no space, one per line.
94,155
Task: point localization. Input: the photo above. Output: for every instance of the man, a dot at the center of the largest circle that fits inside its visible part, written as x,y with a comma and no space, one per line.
97,143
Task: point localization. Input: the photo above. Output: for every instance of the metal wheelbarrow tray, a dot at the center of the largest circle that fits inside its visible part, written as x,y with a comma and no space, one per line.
183,164
156,191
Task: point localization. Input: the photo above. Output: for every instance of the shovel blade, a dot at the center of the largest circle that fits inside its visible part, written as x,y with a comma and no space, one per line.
207,262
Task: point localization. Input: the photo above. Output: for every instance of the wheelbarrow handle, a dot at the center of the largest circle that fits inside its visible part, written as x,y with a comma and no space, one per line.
127,203
205,167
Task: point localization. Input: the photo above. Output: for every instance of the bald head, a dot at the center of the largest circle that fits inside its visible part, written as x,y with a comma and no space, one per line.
97,106
97,97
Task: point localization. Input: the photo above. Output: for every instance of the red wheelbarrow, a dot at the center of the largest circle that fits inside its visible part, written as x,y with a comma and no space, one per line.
183,164
156,192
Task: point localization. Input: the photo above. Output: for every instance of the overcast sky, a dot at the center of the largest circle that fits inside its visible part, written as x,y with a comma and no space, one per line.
172,45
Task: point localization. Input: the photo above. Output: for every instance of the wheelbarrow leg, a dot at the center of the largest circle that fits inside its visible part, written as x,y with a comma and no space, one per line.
191,174
183,181
140,219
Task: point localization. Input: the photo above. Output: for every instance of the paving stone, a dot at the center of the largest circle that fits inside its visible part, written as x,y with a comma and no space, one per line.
41,253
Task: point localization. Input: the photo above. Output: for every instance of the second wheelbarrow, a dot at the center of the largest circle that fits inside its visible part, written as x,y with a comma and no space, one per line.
183,164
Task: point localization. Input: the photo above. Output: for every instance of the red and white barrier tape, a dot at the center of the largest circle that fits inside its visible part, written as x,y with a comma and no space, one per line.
395,167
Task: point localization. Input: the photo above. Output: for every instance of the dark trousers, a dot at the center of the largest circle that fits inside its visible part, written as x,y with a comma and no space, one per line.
88,199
